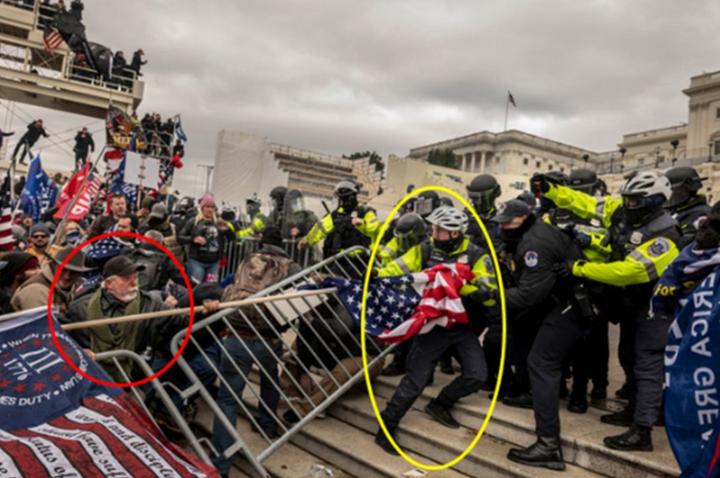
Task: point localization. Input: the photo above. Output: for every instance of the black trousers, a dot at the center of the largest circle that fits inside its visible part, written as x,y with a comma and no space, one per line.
642,355
424,356
23,143
557,337
590,359
80,159
492,345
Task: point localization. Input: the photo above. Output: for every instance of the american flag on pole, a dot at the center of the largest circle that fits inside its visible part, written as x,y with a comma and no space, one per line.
54,422
108,247
403,306
51,39
511,99
6,237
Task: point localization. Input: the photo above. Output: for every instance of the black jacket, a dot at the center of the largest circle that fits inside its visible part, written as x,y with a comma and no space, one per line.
84,144
476,235
211,251
33,134
688,215
535,283
159,268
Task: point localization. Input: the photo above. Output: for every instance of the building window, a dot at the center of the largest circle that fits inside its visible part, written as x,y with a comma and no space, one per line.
717,113
550,167
525,161
497,160
562,170
717,148
641,161
537,164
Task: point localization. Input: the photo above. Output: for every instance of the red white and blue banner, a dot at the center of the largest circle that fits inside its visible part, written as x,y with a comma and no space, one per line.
54,422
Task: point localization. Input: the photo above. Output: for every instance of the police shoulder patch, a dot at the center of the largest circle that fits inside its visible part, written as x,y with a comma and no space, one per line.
659,247
531,259
487,262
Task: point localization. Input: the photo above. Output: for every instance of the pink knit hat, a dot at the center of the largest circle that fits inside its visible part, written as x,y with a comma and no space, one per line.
207,200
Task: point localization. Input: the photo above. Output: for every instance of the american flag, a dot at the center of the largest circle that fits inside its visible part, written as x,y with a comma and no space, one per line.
108,247
403,306
55,422
51,39
511,99
6,237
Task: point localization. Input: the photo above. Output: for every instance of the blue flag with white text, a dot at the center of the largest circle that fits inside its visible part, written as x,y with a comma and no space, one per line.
40,191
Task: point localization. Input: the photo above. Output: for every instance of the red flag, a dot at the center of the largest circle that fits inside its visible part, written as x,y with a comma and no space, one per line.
114,158
84,202
73,186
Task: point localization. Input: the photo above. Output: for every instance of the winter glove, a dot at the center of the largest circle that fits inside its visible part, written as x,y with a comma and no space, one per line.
583,240
483,294
563,269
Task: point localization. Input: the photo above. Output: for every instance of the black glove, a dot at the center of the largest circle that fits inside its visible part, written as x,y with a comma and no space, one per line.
583,240
563,269
483,294
539,183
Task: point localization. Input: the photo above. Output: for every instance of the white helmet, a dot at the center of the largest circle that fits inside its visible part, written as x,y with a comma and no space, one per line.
254,198
227,207
647,184
449,218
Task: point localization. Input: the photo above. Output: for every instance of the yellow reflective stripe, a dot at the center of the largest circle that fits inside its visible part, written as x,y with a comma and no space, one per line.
401,263
645,261
322,228
390,252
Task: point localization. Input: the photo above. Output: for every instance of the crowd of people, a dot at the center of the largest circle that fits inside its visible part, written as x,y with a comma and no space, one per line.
573,261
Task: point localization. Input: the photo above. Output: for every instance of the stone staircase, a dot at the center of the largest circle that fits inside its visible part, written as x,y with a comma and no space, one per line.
343,441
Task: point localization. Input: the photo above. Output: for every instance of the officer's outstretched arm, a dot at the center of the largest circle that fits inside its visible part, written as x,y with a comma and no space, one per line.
388,253
645,264
484,277
408,263
370,226
320,231
585,206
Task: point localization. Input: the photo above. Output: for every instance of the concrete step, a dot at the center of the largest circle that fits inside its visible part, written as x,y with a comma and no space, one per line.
427,437
582,435
290,461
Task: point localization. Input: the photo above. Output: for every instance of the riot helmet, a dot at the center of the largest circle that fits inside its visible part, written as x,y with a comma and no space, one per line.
685,183
346,192
409,231
643,194
483,191
427,202
585,181
252,205
277,195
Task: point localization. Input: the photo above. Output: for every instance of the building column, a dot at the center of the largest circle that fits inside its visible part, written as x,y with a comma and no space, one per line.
473,162
483,159
463,162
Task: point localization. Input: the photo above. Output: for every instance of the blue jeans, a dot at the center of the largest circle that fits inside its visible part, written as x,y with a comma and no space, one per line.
198,364
269,394
199,270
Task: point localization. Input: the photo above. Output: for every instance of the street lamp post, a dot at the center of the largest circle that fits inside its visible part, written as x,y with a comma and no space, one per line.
612,160
657,157
710,148
623,150
674,143
585,158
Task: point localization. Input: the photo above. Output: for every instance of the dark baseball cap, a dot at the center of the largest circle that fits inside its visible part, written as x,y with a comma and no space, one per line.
121,266
512,209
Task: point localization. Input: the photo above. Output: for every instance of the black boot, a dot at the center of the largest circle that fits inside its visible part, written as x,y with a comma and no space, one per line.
598,394
623,418
637,438
545,452
441,414
395,369
578,403
446,367
382,441
523,400
563,389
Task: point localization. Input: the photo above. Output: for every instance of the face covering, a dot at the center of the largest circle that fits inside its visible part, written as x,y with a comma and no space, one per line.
708,234
449,245
72,237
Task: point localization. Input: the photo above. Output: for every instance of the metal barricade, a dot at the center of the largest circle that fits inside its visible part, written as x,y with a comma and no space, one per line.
304,258
303,351
140,393
235,252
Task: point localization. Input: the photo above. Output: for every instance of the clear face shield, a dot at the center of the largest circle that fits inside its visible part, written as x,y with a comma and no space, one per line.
483,202
252,209
294,213
424,207
680,194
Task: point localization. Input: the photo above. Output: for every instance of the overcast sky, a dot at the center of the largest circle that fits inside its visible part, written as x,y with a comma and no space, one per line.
342,76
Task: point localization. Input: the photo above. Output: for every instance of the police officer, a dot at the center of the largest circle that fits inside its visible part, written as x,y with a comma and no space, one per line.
547,315
590,358
258,221
449,245
409,231
686,205
351,224
644,240
277,200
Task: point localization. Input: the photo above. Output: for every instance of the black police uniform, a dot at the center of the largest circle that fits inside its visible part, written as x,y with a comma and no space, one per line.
688,215
540,345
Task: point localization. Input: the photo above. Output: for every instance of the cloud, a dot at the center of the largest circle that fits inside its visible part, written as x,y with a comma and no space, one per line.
341,76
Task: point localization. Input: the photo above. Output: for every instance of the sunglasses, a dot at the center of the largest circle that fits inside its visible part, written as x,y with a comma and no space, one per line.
40,236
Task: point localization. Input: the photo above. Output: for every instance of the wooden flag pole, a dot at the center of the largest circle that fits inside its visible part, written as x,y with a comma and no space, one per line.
168,313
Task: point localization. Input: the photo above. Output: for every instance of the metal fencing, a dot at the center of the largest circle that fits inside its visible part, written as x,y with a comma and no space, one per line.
235,252
278,365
